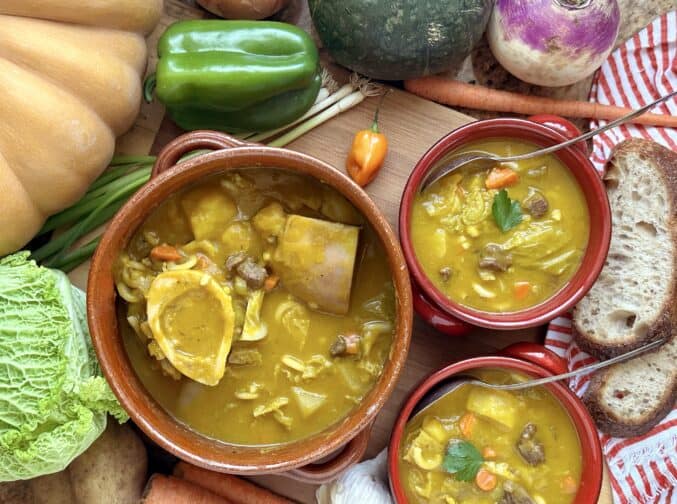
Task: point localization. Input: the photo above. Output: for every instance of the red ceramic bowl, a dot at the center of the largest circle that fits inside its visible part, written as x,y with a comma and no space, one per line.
531,359
453,318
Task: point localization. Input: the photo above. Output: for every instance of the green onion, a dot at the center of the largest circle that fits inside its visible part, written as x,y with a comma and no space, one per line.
121,160
93,200
112,173
73,259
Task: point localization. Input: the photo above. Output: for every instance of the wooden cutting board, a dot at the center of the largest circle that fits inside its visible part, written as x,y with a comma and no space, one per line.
412,125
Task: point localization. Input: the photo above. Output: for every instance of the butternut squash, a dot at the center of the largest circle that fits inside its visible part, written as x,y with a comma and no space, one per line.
71,84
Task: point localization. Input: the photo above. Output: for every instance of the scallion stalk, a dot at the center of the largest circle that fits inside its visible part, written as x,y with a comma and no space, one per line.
317,107
93,200
129,160
73,259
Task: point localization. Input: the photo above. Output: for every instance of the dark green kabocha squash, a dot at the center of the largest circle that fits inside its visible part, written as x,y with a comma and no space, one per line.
400,39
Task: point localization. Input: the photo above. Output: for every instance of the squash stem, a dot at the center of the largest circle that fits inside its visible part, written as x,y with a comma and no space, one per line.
149,87
374,125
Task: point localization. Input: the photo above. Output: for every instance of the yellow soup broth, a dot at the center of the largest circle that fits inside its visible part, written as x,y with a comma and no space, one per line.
469,258
285,377
493,424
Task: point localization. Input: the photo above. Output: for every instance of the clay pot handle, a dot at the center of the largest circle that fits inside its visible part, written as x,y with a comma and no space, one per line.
440,320
329,470
536,354
188,142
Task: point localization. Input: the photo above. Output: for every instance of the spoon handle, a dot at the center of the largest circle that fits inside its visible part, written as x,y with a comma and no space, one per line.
579,371
591,133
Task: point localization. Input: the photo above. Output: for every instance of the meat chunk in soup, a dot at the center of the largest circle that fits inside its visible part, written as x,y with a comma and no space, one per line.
252,273
536,203
515,494
495,258
529,448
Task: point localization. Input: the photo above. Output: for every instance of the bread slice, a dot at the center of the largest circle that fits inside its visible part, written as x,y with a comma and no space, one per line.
634,301
629,398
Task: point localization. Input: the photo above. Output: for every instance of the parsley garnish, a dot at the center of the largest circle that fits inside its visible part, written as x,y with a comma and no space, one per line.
507,213
462,460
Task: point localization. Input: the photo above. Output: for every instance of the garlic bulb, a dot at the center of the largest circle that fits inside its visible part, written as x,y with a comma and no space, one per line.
364,483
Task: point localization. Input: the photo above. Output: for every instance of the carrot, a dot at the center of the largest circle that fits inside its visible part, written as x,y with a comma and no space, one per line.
485,480
568,484
467,423
236,490
352,344
270,282
488,452
163,489
499,178
455,93
522,289
165,253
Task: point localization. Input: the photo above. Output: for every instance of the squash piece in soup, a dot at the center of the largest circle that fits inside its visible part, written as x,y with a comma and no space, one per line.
270,221
191,318
209,210
313,254
239,236
308,402
497,405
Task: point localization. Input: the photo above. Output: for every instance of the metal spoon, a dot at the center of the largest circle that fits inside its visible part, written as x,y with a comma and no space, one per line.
486,159
443,388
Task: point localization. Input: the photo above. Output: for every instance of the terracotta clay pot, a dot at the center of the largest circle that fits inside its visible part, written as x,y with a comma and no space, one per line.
297,459
455,319
531,359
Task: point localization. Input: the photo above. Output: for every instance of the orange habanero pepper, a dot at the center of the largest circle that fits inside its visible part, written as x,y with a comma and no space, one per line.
367,152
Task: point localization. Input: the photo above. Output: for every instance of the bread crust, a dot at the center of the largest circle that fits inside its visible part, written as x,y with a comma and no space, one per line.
611,423
665,325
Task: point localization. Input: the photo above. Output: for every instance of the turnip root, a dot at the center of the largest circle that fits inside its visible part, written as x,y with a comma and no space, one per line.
243,9
553,42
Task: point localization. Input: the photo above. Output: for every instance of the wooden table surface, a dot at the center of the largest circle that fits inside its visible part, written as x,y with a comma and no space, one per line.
412,125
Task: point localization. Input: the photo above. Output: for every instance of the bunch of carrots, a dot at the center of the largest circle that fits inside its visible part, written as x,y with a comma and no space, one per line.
194,485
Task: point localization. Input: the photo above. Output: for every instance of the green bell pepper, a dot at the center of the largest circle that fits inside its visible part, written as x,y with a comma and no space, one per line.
235,76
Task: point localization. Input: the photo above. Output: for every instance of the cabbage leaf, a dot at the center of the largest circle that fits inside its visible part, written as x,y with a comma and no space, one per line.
53,399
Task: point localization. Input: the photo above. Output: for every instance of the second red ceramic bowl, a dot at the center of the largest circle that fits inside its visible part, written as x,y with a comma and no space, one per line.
453,318
531,359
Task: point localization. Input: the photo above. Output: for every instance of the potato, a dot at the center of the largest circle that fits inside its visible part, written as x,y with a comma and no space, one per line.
496,405
53,489
16,492
112,470
243,9
209,211
48,489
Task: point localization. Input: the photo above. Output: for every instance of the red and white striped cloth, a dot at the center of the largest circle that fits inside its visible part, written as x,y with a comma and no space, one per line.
642,469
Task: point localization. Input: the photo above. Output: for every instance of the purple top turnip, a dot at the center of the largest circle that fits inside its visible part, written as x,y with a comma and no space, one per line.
553,42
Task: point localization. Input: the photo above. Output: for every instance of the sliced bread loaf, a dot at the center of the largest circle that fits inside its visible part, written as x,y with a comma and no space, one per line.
634,301
628,399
